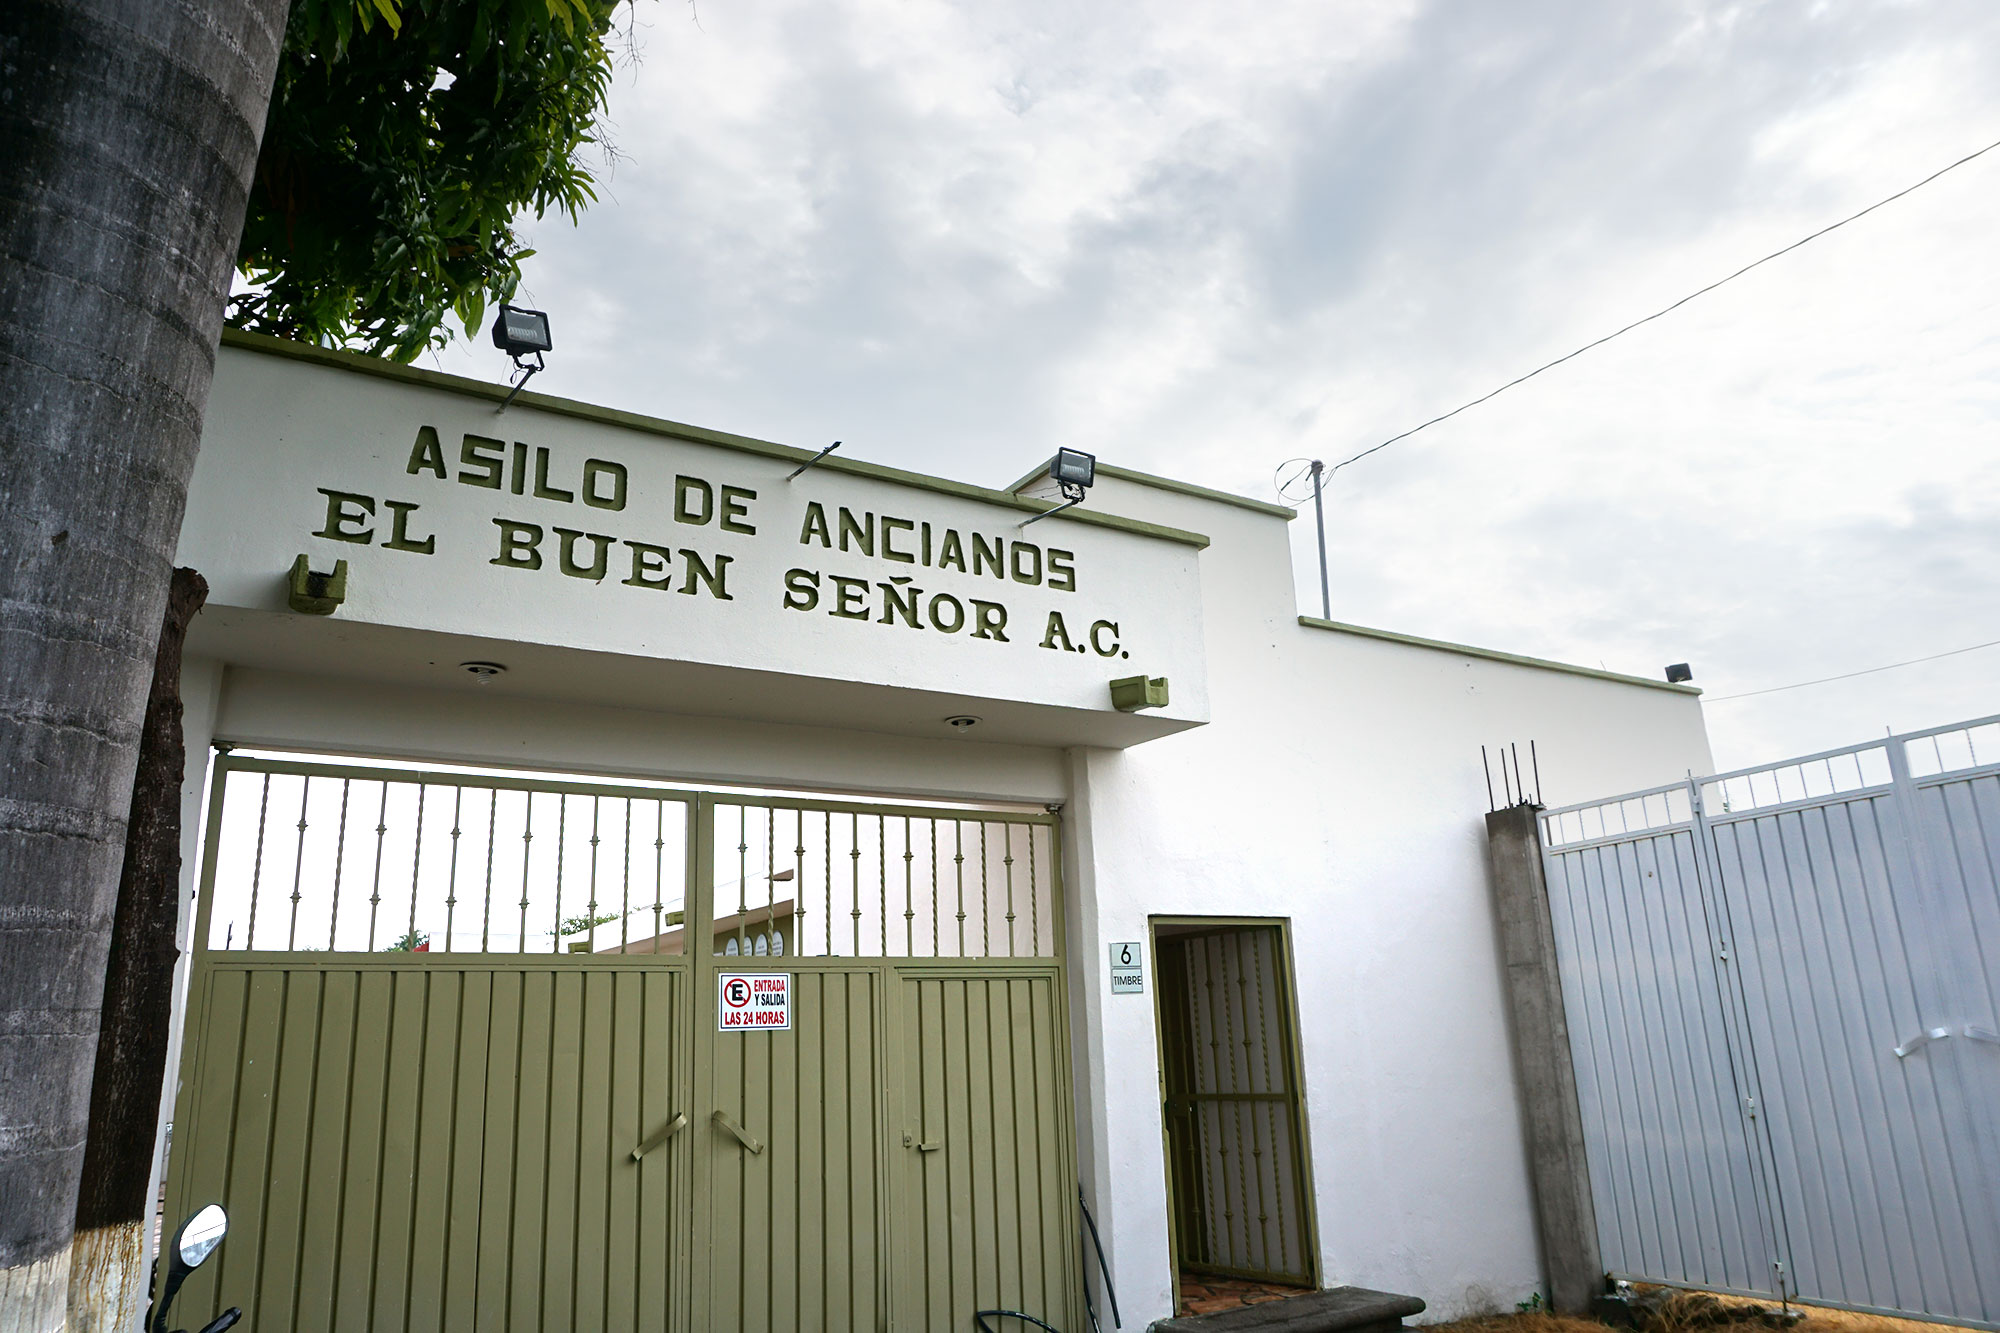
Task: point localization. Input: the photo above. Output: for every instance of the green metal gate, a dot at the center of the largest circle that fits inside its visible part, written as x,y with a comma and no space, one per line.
450,1062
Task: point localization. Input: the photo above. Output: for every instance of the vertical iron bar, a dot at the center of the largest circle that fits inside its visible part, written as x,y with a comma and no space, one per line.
451,889
829,883
660,876
1486,767
299,866
882,876
770,882
625,901
985,909
339,860
1535,762
799,881
417,860
590,910
1235,1086
527,845
1008,862
257,866
958,873
854,857
742,876
909,893
562,827
375,886
486,893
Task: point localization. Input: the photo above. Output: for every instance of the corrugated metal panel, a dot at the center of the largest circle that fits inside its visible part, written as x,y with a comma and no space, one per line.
984,1173
1844,974
794,1235
1673,1174
1866,1146
436,1146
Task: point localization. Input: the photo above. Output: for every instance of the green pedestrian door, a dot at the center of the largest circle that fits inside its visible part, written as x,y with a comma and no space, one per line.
451,1063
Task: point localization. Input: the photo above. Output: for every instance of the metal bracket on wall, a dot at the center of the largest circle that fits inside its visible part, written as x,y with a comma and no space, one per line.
315,594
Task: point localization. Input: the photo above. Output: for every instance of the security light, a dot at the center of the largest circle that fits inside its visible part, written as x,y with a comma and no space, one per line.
521,333
518,332
1072,470
1680,673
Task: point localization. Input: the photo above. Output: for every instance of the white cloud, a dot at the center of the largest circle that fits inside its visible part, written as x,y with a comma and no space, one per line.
1203,239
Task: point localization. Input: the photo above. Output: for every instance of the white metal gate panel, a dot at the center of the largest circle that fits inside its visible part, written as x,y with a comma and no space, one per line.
1781,993
1673,1175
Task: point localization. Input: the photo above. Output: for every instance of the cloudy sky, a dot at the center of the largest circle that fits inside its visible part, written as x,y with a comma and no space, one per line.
1201,239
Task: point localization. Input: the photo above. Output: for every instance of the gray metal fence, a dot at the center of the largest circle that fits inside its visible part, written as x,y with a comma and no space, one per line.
1783,993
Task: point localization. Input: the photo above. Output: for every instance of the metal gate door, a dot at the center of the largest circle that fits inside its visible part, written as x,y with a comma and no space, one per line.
1782,999
409,1080
903,1154
1234,1125
452,1059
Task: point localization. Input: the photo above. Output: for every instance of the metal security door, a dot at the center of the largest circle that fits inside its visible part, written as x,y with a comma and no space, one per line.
790,1146
985,1187
437,1045
1235,1129
902,1155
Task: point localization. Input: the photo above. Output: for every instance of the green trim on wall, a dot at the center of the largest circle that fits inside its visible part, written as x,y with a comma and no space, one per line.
610,416
1493,655
1117,473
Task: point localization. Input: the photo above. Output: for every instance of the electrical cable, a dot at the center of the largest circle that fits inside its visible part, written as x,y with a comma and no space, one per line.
1664,310
1824,680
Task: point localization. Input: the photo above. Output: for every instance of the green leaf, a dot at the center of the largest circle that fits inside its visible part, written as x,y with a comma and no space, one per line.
390,15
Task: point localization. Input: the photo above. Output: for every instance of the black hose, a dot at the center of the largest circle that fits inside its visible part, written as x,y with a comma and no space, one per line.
979,1318
1110,1292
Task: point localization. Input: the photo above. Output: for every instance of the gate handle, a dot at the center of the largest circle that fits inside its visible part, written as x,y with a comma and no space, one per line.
910,1141
1921,1040
743,1135
674,1126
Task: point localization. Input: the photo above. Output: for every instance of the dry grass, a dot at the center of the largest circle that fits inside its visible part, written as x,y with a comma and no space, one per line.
1674,1317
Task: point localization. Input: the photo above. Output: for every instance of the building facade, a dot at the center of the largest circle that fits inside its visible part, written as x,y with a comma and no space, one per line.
1213,943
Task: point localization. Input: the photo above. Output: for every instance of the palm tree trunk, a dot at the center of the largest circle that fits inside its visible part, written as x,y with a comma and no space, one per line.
107,1278
128,134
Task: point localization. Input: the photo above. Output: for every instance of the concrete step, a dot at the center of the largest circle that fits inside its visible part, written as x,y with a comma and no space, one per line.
1335,1310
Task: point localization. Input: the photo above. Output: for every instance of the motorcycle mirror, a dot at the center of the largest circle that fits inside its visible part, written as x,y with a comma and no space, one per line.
200,1234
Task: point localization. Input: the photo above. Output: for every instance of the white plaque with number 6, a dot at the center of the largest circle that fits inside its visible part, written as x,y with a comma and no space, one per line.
1128,968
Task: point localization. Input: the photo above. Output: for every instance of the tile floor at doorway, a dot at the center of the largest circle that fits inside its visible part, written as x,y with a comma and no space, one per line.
1205,1293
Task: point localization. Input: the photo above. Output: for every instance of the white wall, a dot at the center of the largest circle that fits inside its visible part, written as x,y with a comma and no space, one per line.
336,715
1339,784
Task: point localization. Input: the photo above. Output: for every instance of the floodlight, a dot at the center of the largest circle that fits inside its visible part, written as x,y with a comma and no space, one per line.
521,333
1680,673
518,331
1073,468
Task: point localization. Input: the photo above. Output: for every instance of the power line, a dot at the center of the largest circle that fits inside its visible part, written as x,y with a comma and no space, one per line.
1665,310
1823,680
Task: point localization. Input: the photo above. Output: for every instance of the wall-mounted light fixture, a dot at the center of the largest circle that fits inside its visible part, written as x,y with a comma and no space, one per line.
1073,471
521,333
1680,673
313,594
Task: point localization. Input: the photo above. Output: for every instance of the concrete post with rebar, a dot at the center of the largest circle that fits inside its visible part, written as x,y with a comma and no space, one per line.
1563,1211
